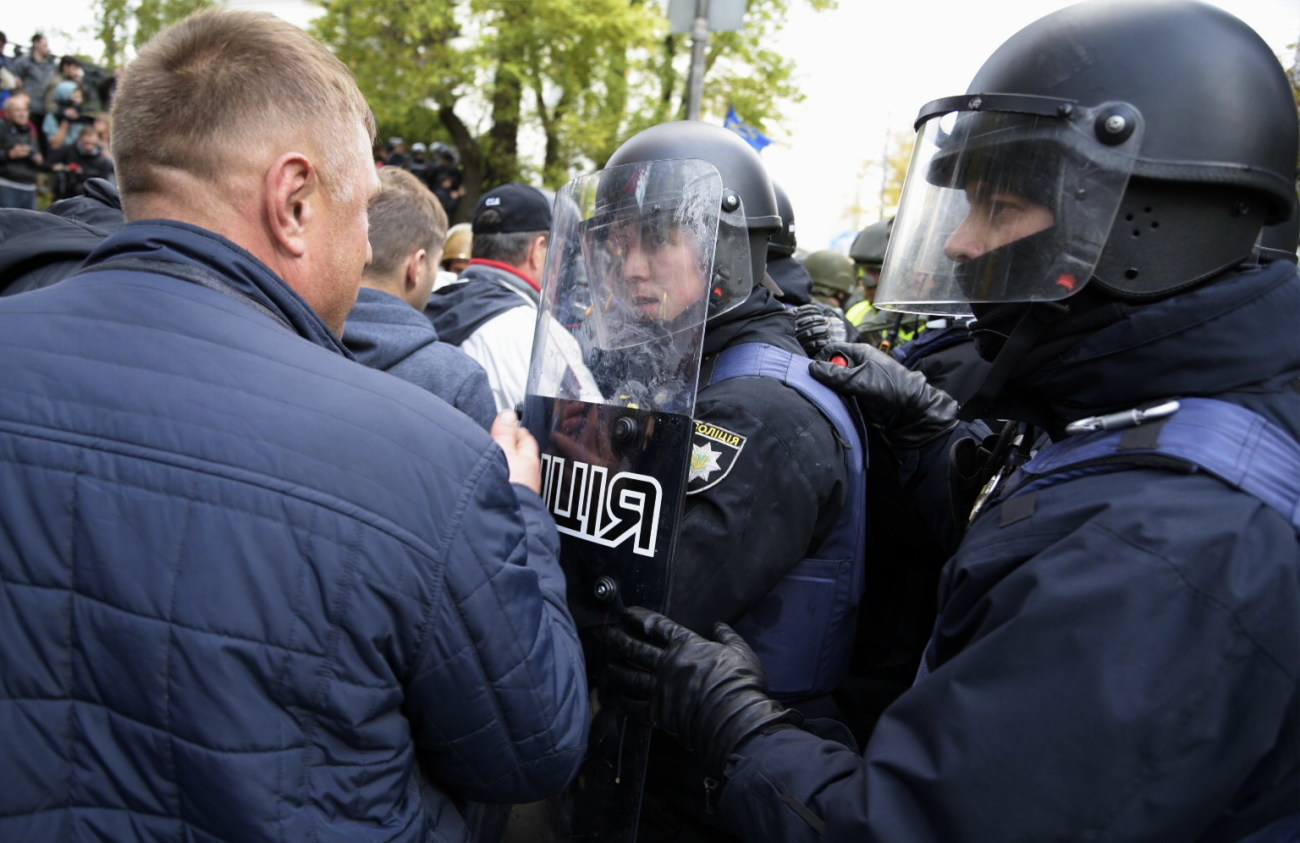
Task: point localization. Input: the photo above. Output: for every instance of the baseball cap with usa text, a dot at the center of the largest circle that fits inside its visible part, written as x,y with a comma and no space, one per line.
518,207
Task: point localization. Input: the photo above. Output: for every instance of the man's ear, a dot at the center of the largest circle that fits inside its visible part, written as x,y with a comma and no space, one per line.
291,188
537,255
414,269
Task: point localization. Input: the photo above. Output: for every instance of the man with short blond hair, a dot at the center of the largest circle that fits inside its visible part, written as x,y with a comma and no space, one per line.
250,588
405,219
387,330
206,146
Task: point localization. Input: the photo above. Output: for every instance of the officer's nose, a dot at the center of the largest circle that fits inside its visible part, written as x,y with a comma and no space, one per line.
966,243
636,265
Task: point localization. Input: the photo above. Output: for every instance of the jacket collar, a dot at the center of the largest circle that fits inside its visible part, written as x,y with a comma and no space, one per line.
505,267
1230,336
244,274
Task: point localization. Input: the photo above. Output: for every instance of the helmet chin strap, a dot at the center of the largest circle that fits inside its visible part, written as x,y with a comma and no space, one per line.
770,285
1028,332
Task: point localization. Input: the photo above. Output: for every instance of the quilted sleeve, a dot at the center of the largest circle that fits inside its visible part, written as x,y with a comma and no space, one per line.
502,630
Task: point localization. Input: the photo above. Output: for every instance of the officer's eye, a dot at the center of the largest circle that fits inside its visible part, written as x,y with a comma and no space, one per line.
1001,210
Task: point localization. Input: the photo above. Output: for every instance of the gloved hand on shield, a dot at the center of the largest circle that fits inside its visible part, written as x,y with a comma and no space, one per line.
901,403
710,695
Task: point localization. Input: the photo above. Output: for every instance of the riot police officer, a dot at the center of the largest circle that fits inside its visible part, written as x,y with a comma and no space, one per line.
875,326
782,265
1116,646
769,540
832,277
868,253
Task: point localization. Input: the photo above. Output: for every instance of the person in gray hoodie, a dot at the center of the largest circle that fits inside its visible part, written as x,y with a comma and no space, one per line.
387,329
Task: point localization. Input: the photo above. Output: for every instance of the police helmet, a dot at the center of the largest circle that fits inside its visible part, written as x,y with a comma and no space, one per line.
747,192
1156,138
832,272
439,149
1280,242
869,246
782,243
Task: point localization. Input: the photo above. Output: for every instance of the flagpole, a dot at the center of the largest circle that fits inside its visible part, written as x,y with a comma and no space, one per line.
699,48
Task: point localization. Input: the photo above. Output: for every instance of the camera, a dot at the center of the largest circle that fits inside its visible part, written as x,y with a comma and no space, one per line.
75,115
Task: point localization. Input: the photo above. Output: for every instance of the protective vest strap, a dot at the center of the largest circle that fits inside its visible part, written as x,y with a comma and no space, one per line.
1226,441
760,360
803,629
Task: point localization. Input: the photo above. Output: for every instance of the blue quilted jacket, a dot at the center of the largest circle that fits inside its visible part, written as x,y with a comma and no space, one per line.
249,588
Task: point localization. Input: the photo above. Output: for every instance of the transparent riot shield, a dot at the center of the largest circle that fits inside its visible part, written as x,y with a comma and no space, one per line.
611,392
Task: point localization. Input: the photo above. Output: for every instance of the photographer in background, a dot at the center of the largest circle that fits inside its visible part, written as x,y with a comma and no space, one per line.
20,154
71,69
65,122
73,163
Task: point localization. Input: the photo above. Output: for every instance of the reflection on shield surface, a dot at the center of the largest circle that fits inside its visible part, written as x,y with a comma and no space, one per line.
629,283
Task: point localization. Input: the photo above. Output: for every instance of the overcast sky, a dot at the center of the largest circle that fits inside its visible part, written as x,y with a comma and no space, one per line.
870,65
867,67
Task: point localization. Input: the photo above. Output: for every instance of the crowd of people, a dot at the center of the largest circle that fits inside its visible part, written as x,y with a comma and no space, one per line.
55,132
436,164
612,514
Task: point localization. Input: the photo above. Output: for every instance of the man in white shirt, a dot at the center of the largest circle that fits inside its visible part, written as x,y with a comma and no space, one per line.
491,309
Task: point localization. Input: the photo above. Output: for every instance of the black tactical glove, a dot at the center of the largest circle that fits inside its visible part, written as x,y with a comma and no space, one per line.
818,325
900,402
710,695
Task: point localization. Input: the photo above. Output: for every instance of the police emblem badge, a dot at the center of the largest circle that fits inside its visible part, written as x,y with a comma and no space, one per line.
714,452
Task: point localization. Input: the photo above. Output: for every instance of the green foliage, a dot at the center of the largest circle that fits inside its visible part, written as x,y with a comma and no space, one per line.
123,23
880,181
897,160
500,78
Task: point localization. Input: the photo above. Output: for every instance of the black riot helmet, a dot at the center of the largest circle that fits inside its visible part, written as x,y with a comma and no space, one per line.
781,244
746,186
1159,136
869,246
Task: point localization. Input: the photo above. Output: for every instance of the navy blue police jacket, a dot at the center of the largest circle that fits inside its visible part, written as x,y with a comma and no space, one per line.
249,588
1120,665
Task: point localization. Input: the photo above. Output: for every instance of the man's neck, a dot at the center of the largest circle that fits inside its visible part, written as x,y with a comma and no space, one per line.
508,268
380,286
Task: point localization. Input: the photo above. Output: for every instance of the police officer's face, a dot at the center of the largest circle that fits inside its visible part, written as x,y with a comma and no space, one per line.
660,271
996,218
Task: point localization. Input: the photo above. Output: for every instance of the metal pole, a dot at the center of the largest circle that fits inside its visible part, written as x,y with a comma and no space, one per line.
699,47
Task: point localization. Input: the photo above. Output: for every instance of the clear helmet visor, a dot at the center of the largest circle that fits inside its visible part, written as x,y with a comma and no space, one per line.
631,279
1006,206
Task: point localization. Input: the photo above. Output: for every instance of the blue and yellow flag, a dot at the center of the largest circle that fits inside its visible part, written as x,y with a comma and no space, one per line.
752,136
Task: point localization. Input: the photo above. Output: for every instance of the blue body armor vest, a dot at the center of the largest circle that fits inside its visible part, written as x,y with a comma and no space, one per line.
1224,440
806,651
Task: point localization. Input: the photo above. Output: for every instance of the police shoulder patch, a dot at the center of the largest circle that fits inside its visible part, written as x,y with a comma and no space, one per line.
713,453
